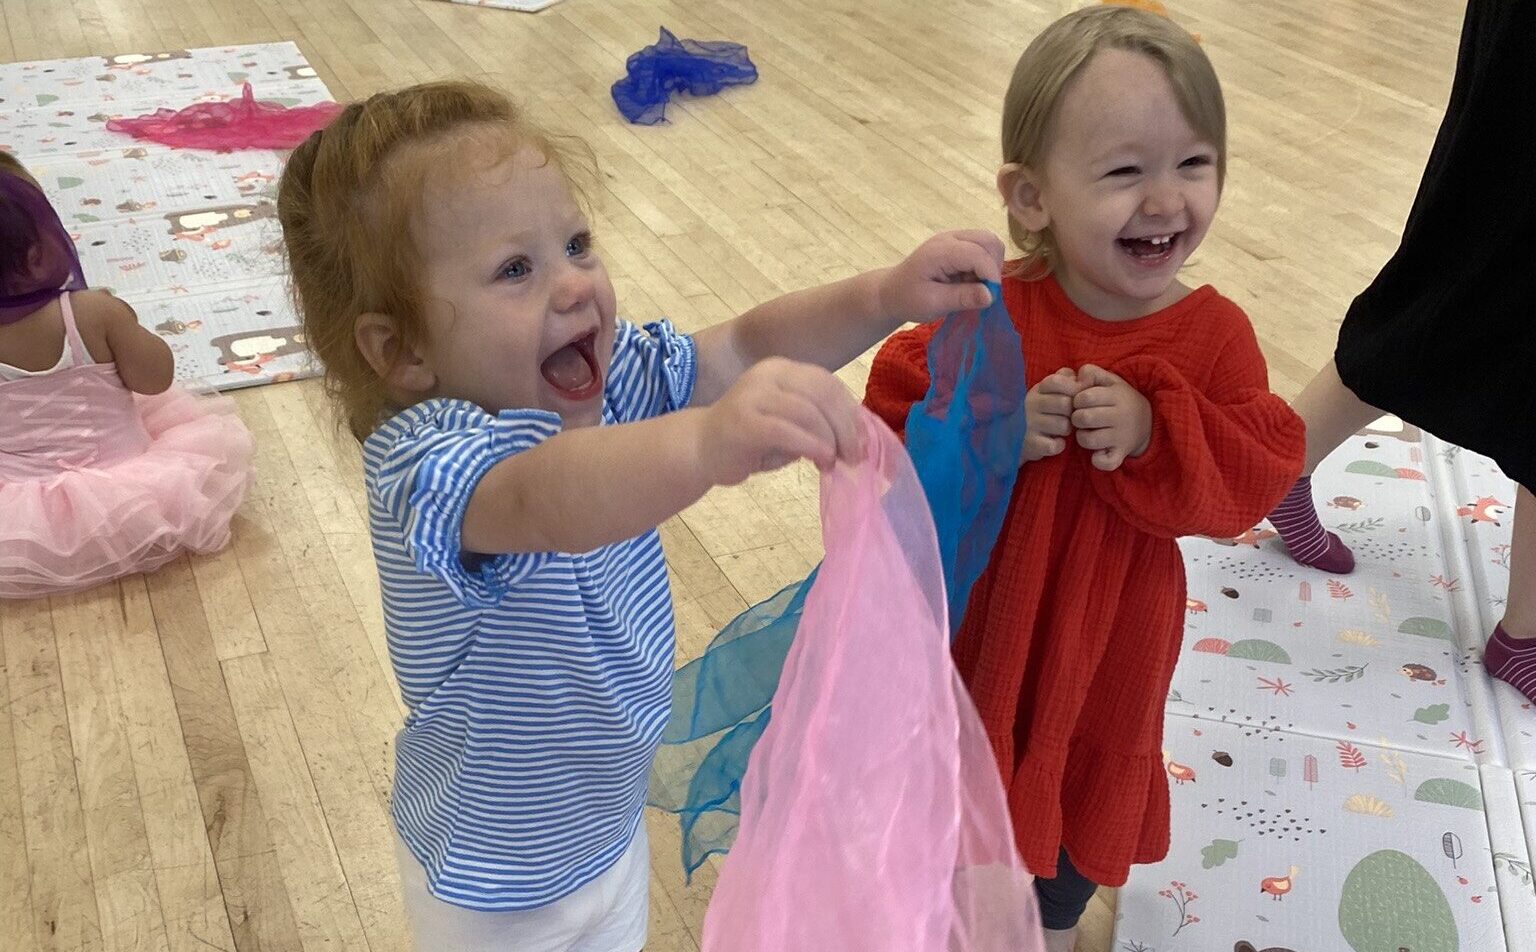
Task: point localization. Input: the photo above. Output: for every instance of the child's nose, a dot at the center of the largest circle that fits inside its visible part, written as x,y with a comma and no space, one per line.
1162,200
574,289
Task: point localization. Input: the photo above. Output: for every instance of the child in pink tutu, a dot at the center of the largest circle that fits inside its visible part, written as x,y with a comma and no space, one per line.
105,468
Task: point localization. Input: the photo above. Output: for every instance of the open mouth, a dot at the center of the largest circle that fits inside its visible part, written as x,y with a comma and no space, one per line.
1152,250
573,371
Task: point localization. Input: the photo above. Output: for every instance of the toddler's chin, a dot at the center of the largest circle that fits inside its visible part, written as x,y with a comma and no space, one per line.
575,418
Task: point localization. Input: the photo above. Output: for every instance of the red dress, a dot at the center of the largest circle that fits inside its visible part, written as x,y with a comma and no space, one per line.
1070,637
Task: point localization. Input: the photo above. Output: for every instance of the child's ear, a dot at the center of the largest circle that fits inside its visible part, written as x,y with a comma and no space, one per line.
402,369
1020,188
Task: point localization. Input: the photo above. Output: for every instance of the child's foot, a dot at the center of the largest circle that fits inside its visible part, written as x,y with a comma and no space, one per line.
1303,533
1513,661
1060,940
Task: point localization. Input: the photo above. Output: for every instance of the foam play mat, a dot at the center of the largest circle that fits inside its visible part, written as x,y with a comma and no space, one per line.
1344,775
189,238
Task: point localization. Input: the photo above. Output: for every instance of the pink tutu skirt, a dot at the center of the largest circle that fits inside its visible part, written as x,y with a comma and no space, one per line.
84,524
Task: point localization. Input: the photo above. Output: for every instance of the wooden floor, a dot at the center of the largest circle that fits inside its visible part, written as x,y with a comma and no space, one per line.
201,758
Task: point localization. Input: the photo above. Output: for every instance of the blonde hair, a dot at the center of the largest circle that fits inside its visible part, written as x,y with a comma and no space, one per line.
1055,58
349,202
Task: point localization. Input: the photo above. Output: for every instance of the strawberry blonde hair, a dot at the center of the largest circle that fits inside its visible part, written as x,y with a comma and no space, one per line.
350,201
1055,58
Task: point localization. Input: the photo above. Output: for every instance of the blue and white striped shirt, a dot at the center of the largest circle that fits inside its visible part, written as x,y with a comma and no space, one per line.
538,684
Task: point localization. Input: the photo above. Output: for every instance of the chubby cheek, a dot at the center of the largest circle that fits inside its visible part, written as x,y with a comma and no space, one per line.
607,303
504,372
1115,216
1203,204
607,309
604,347
1206,217
1098,224
1092,240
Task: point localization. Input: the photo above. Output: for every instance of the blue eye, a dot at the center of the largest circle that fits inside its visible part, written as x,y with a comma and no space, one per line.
579,245
516,269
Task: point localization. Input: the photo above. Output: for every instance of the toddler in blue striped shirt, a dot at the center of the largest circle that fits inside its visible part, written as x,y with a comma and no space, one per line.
521,445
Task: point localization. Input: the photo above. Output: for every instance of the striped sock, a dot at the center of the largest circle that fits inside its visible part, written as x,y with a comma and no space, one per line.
1513,661
1310,544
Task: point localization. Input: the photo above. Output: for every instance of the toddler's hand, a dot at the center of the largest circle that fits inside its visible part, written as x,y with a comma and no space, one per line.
942,276
1048,415
1111,417
777,412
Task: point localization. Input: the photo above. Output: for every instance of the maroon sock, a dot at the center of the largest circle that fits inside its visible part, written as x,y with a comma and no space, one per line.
1513,661
1303,533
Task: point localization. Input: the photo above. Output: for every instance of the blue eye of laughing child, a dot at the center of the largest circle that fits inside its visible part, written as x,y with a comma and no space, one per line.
516,269
579,245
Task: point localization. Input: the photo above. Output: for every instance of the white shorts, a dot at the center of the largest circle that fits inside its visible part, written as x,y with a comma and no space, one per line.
609,914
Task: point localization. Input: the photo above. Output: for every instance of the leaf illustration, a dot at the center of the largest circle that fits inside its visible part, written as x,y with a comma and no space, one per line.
1369,467
1514,864
1337,675
1350,757
1427,627
1451,843
1337,589
1257,649
1396,768
1390,902
1433,714
1380,607
1367,806
1218,852
1393,763
1354,636
1452,793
